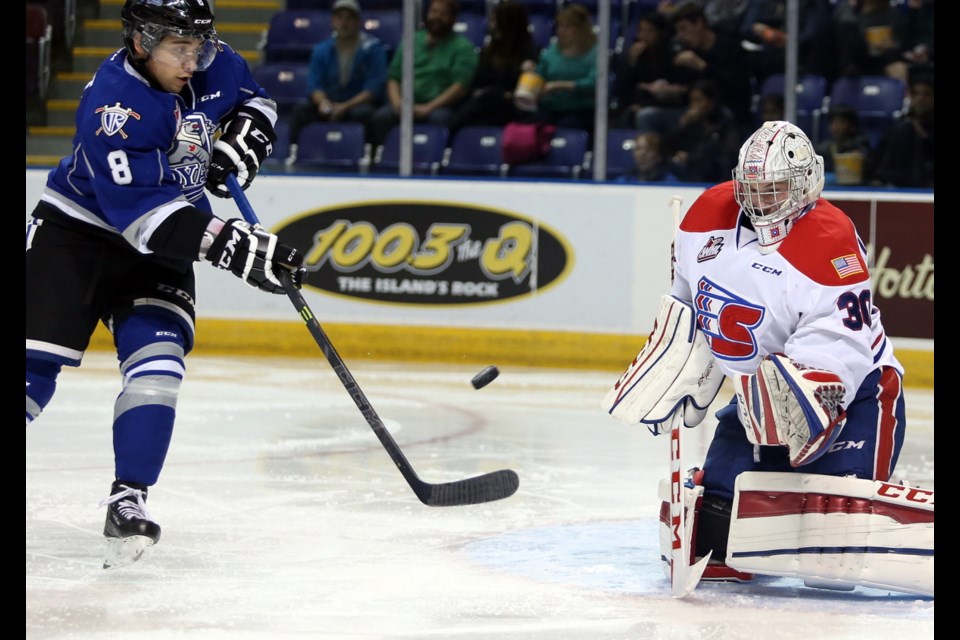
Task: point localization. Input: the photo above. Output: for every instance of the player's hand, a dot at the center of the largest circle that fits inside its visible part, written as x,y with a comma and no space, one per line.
244,144
255,255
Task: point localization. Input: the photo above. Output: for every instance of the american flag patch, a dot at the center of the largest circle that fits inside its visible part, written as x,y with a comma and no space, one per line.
847,265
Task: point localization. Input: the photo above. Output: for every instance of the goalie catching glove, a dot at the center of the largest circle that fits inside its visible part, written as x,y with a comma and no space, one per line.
788,404
245,143
253,255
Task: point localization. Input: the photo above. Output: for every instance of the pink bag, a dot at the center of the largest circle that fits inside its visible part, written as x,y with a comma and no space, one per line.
526,142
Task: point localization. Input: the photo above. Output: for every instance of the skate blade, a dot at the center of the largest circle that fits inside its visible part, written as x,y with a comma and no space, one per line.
826,583
123,551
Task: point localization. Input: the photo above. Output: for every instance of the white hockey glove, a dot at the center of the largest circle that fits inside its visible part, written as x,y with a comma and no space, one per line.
252,254
788,404
245,142
675,370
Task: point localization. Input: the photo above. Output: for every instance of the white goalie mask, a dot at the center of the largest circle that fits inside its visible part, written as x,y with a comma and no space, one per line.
778,176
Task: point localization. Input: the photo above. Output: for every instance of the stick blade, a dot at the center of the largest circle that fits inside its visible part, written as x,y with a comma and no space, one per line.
489,487
686,577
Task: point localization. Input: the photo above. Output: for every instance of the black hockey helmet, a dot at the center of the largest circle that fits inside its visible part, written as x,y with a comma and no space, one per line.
154,19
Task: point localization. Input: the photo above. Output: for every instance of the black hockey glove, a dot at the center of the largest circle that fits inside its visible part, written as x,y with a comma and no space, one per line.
252,254
245,142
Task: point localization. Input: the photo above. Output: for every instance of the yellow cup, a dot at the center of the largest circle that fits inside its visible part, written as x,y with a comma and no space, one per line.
527,93
848,167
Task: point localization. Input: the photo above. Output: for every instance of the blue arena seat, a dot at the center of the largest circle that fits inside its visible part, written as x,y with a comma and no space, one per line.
567,157
286,83
473,26
475,150
292,35
878,101
429,147
620,143
541,27
811,90
276,161
386,24
333,146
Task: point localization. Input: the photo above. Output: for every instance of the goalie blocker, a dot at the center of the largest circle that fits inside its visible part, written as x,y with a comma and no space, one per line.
674,370
833,533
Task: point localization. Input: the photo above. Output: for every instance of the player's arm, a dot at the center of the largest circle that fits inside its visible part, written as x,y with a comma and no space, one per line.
247,134
250,253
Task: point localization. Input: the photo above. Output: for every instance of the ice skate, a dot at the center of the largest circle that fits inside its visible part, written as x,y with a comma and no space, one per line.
128,529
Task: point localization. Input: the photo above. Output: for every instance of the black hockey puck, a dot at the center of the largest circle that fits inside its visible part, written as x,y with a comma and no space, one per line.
485,377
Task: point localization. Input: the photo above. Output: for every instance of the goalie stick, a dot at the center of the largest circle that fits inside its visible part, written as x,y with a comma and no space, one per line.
684,577
488,487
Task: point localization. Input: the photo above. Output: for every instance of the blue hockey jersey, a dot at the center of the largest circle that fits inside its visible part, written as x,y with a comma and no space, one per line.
141,153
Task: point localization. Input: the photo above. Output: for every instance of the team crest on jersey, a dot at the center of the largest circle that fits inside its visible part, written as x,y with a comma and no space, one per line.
190,156
727,321
113,118
711,249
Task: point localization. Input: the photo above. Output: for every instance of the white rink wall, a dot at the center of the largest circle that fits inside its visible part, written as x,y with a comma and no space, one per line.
595,257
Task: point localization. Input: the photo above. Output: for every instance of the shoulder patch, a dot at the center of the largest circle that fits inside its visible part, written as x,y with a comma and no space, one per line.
714,210
824,246
848,265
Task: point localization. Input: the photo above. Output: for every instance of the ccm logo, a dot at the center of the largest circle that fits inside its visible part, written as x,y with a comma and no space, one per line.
910,494
766,269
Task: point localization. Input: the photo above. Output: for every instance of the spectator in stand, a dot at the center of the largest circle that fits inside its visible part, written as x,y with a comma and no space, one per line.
914,32
772,107
568,67
702,52
348,73
865,35
444,63
722,15
498,69
845,138
904,157
705,144
645,61
764,30
648,160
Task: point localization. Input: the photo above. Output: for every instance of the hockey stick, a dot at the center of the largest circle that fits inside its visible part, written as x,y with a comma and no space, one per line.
684,577
488,487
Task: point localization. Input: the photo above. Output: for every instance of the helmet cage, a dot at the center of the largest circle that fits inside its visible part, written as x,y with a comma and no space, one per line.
776,179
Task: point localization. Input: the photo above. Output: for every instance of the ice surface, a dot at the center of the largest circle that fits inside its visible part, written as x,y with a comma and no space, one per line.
283,517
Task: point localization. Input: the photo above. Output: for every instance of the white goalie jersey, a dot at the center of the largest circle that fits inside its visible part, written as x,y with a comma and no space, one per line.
810,300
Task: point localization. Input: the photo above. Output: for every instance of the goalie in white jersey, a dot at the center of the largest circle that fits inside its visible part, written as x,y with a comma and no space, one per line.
773,285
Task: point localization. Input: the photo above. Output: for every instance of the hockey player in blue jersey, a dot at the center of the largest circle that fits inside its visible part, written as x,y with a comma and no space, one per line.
123,218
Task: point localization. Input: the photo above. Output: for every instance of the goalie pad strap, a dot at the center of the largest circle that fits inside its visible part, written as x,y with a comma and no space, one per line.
675,369
834,531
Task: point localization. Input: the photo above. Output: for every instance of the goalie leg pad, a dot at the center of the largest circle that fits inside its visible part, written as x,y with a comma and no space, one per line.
833,532
675,369
786,403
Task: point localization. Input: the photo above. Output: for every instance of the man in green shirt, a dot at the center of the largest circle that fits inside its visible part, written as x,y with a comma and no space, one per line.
443,66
